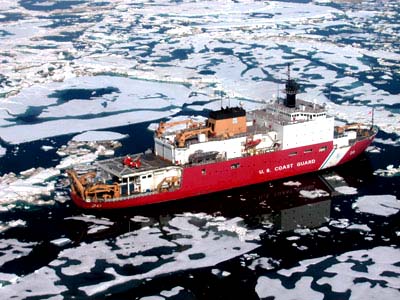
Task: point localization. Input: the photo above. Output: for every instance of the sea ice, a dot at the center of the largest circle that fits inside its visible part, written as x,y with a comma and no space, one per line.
173,292
313,194
137,101
47,148
33,285
340,223
92,220
381,205
95,136
61,242
384,262
360,227
74,160
292,183
363,273
11,249
273,288
96,228
10,224
263,263
220,273
346,190
195,241
390,171
117,53
29,187
2,151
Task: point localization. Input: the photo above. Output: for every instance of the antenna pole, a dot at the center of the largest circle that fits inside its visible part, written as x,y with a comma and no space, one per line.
372,116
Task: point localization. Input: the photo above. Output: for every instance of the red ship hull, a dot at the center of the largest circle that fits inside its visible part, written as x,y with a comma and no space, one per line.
218,176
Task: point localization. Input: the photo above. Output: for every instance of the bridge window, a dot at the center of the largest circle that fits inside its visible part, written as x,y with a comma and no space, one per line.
308,151
323,148
293,154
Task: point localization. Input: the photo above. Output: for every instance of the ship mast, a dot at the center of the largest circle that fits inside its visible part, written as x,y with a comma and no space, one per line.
291,89
372,116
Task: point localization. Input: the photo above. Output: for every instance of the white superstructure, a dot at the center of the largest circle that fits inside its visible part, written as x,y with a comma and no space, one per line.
276,127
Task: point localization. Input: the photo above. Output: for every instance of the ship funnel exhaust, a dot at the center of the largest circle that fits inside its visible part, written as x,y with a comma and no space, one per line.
291,89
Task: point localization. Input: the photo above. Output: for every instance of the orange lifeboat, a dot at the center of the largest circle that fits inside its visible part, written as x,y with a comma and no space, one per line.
251,143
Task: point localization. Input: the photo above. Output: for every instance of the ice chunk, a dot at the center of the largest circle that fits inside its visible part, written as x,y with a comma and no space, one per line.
292,183
390,171
2,151
346,190
61,242
313,194
381,205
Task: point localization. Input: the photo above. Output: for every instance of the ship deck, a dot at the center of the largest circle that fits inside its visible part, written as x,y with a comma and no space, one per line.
116,167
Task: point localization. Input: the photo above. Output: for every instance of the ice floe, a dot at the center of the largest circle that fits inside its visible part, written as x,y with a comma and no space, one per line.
267,288
11,249
317,193
350,266
220,273
184,242
30,186
61,242
11,224
359,227
292,183
346,190
97,136
381,205
137,101
2,151
390,171
348,272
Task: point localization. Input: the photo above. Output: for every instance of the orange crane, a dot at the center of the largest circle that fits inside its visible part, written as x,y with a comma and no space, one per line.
167,183
105,191
162,126
184,135
354,126
82,186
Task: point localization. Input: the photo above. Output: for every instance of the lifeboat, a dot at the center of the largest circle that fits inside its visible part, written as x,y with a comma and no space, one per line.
251,143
